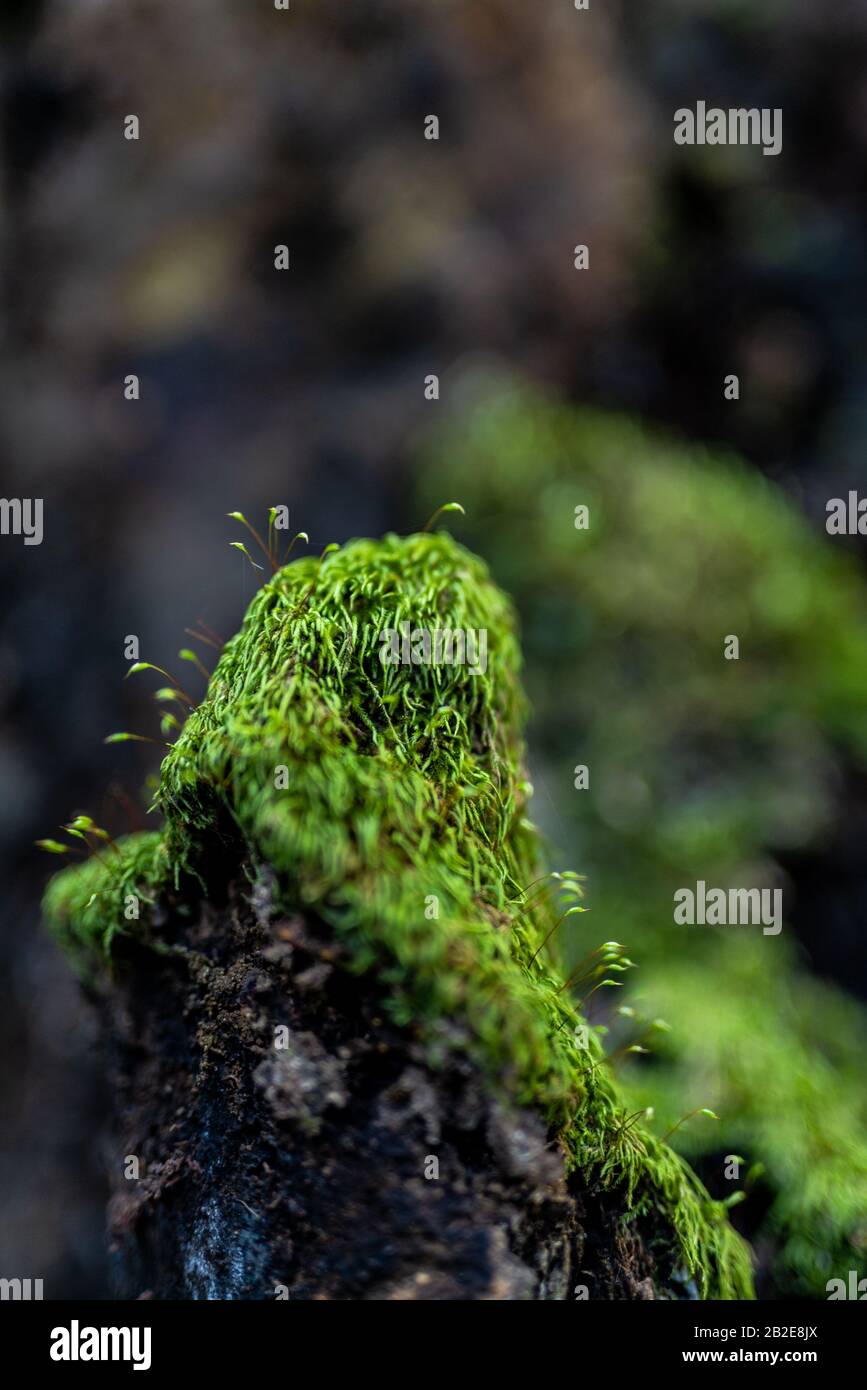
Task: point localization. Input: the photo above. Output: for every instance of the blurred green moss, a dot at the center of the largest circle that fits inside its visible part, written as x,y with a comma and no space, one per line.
781,1059
699,767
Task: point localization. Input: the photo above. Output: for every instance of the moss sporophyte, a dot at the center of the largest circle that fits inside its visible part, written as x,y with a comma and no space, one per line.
371,789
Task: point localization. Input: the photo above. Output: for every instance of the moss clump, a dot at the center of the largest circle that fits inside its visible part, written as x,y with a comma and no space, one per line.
380,794
88,905
701,768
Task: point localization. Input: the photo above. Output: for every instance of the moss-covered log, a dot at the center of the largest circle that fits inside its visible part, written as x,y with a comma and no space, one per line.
347,1063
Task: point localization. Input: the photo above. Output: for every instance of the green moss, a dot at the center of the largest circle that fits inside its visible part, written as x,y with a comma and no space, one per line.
374,791
700,768
785,1069
86,906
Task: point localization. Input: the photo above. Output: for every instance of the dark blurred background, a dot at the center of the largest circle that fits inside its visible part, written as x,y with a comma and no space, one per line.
306,387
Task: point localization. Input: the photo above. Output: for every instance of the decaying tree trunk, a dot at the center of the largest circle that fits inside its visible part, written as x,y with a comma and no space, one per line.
329,980
338,1166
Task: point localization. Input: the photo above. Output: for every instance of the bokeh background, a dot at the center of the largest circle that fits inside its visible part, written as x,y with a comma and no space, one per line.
306,387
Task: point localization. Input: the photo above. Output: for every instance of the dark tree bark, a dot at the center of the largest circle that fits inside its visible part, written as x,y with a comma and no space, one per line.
306,1171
